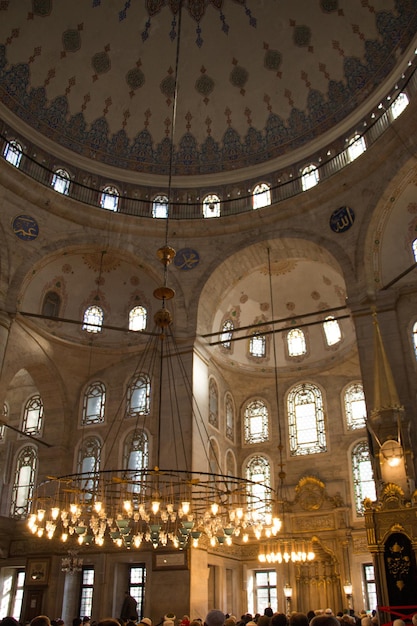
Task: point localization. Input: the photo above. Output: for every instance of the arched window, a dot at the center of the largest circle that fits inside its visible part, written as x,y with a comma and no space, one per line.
137,318
61,181
109,198
256,423
363,477
415,338
230,417
257,345
211,206
138,396
160,207
309,177
399,105
94,403
93,319
306,420
13,152
24,482
332,330
356,147
296,342
258,470
51,304
89,454
355,407
227,334
136,459
213,403
415,250
33,416
261,196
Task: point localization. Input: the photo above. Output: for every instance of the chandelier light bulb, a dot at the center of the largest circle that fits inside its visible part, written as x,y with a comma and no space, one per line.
41,515
55,512
155,506
214,508
185,507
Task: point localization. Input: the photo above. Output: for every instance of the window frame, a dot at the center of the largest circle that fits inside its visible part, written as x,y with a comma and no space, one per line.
211,202
261,191
310,176
15,148
249,437
94,386
31,452
110,198
138,589
319,445
296,355
259,490
356,147
145,407
160,204
33,404
133,317
61,181
352,423
259,601
359,494
331,322
86,602
93,318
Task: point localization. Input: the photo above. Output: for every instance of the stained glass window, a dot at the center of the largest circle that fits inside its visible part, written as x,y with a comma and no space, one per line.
256,424
160,207
13,152
257,345
136,458
138,396
227,334
309,177
109,198
33,416
211,206
24,482
61,181
415,338
258,471
399,105
137,318
306,420
261,196
332,331
296,342
213,403
89,464
363,477
94,403
356,147
93,319
230,418
355,407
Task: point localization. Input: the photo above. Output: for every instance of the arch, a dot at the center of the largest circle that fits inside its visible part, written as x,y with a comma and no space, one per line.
255,422
306,426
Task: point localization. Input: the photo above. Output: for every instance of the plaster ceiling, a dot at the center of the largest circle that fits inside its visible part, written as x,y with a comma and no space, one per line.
257,79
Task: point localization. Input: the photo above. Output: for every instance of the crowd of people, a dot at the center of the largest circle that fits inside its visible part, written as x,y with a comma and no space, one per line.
215,617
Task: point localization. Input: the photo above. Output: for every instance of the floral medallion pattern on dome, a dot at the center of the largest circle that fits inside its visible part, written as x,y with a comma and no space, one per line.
255,80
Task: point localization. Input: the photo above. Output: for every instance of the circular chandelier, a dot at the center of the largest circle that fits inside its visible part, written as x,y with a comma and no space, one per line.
171,508
284,551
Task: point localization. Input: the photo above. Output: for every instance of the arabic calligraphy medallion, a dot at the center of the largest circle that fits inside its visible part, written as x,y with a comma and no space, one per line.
186,259
342,219
25,227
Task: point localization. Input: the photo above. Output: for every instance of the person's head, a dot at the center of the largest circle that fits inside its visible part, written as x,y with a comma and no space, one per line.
146,621
268,611
40,620
263,620
298,619
397,622
9,621
414,619
324,620
279,619
215,617
77,621
108,621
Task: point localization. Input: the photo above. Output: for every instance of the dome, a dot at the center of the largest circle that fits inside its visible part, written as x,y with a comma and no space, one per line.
253,83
